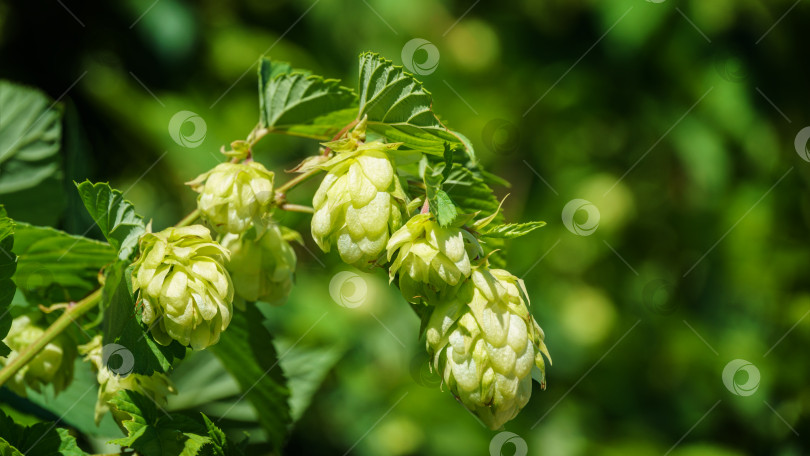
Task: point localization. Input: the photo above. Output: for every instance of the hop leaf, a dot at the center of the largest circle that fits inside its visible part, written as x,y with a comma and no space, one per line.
186,292
54,364
484,343
234,195
432,260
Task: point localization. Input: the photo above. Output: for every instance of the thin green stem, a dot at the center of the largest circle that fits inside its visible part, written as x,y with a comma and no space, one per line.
69,316
297,208
189,219
290,184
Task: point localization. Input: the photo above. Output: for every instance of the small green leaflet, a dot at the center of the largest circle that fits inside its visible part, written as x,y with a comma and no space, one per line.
156,433
114,215
122,325
511,230
439,202
219,443
40,439
8,264
399,108
53,266
294,100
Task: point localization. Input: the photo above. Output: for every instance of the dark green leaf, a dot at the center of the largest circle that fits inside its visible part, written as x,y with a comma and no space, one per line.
122,325
292,99
511,230
30,166
399,108
154,433
39,439
8,264
471,194
54,266
246,350
114,215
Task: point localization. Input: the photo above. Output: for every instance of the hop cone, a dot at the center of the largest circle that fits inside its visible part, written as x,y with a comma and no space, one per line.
262,269
156,386
54,364
484,343
359,202
233,195
186,292
432,260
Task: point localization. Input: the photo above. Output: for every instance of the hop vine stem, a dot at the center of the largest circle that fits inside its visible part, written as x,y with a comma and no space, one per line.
71,314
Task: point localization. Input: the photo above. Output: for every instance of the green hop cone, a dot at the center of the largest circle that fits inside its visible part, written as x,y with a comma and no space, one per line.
54,364
234,195
359,202
262,268
484,343
156,386
186,292
432,261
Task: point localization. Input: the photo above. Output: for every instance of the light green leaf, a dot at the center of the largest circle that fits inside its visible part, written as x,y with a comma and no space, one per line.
54,266
122,325
153,433
399,108
30,166
291,99
511,230
305,369
246,350
219,444
114,215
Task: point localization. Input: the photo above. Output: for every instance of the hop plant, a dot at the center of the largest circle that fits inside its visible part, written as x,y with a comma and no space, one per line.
54,364
156,386
186,292
359,202
484,343
432,261
234,195
261,266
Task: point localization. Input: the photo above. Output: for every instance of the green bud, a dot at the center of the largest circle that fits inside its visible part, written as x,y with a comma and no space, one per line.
432,260
262,269
484,343
156,386
186,292
234,195
53,364
359,203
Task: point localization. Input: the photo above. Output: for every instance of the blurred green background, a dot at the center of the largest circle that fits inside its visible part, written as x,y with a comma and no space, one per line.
675,119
